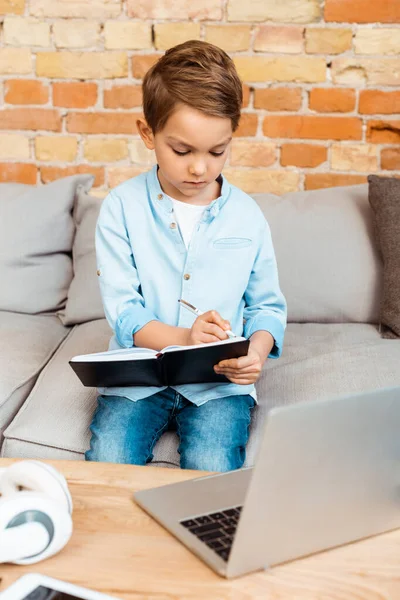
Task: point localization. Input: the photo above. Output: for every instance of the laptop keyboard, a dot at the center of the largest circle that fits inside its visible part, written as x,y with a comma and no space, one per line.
216,529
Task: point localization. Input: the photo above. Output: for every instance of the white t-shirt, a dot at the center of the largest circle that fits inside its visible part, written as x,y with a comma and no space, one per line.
187,216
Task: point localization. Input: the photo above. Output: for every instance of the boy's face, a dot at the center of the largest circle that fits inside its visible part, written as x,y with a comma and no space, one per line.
191,151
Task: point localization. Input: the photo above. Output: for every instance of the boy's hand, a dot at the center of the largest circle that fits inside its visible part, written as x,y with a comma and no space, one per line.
208,327
244,370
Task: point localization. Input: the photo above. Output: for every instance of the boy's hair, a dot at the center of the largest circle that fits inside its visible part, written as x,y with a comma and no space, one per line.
194,73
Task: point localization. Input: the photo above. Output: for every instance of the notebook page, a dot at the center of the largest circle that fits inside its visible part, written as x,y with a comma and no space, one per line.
114,355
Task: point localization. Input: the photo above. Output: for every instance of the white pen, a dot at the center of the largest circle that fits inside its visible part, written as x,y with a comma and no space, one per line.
198,312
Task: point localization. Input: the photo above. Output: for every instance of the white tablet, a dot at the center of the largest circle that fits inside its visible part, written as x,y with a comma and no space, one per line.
39,587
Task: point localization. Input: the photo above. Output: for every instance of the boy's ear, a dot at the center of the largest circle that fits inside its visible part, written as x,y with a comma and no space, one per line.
145,133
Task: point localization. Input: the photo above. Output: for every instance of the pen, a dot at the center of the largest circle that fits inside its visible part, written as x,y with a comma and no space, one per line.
198,312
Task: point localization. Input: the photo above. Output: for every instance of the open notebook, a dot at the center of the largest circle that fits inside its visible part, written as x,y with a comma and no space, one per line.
173,365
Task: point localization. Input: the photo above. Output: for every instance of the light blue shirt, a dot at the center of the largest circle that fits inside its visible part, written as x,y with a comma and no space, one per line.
144,268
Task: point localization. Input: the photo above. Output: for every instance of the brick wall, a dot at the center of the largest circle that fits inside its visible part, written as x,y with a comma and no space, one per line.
321,82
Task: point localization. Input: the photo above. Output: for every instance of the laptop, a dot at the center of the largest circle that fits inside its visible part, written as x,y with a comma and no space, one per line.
327,473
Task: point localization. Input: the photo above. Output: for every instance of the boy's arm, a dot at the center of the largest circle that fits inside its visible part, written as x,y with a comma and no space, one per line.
124,306
262,342
265,315
157,335
265,308
208,327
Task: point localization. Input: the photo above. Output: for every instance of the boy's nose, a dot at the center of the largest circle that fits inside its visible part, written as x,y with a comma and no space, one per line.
198,168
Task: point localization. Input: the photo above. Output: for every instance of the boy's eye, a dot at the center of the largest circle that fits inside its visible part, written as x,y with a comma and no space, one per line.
187,152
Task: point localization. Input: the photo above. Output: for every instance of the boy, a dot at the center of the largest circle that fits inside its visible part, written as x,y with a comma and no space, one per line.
182,231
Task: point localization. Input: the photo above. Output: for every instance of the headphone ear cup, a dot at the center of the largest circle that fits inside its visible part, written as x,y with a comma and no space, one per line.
36,476
31,507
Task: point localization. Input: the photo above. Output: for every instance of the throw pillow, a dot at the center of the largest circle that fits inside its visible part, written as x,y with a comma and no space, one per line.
384,197
36,234
84,300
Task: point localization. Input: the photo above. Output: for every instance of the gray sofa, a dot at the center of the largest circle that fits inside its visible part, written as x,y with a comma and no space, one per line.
50,310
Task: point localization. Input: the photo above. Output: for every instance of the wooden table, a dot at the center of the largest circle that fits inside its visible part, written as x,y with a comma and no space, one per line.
118,549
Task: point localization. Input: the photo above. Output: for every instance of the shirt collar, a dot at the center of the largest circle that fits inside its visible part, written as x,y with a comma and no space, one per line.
161,200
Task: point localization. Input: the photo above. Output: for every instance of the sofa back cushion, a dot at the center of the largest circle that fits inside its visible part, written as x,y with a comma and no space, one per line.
36,234
84,300
329,266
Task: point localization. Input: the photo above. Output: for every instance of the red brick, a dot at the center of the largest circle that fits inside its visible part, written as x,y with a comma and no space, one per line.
247,125
123,96
36,119
362,11
303,155
313,127
280,98
48,174
105,122
332,100
375,102
74,95
383,132
315,181
25,91
18,173
390,158
141,64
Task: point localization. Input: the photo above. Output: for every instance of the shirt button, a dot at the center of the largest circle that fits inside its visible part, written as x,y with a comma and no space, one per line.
186,276
98,272
160,196
173,226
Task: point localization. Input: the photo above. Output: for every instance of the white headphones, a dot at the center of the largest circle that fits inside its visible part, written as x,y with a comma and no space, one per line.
35,512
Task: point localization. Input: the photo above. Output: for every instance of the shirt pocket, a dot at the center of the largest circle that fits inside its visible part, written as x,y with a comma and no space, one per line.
232,262
232,243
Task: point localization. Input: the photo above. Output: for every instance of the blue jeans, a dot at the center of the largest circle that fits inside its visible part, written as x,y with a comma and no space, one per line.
212,436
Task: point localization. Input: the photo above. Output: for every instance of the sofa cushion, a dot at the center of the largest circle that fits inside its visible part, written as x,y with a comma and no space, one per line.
59,409
26,344
329,266
36,234
84,300
384,197
318,361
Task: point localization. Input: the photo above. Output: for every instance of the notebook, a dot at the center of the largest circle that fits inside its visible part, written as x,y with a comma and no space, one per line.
173,365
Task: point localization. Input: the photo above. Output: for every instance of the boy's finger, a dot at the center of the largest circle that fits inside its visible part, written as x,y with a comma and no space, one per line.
241,381
208,339
232,363
237,363
213,316
244,371
215,330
